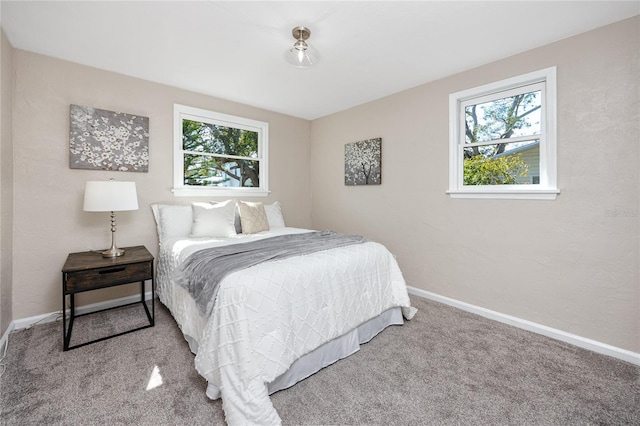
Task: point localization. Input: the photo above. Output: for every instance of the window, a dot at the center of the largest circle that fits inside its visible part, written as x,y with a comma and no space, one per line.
503,139
219,155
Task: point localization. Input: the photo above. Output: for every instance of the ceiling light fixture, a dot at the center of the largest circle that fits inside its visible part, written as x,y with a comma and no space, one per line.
301,55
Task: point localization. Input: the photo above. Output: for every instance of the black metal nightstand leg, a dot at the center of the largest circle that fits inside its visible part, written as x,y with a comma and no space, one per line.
67,336
144,303
64,319
153,301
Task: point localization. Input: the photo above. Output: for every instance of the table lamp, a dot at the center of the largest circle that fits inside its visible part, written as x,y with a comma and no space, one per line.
110,196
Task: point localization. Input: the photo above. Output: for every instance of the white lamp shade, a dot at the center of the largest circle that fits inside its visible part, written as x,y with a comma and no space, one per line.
110,196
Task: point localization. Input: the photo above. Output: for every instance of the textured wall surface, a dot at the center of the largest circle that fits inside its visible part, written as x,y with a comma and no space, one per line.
570,264
6,183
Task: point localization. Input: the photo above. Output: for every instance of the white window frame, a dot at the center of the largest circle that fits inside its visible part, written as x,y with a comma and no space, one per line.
547,188
182,112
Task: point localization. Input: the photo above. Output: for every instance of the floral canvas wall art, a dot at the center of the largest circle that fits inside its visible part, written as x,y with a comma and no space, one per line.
362,162
107,140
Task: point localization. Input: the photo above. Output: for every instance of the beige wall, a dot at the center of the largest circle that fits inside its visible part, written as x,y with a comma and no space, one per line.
6,182
570,264
49,221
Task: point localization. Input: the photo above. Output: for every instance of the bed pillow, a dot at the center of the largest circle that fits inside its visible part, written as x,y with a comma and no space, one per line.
173,221
274,215
253,217
236,223
213,220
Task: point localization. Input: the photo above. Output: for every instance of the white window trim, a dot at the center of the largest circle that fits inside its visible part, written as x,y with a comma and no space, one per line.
547,188
179,189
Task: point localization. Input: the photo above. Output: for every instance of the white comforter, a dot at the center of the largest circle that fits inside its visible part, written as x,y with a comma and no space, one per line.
269,315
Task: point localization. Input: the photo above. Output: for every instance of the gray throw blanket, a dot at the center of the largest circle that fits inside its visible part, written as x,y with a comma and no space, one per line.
202,272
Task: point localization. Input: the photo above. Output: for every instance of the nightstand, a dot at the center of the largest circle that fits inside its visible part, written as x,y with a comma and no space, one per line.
86,271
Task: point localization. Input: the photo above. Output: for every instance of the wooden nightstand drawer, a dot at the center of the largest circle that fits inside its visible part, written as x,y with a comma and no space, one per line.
108,276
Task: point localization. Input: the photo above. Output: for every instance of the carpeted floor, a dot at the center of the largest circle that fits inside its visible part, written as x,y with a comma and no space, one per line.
445,367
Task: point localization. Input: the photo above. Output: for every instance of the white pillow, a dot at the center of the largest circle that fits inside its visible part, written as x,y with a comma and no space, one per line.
172,221
274,215
213,220
237,223
253,217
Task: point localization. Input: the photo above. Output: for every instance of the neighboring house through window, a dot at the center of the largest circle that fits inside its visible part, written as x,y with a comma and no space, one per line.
503,139
218,154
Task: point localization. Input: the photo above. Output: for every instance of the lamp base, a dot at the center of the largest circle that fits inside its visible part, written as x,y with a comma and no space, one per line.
113,252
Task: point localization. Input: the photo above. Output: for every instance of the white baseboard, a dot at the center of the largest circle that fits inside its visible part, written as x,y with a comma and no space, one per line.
582,342
23,323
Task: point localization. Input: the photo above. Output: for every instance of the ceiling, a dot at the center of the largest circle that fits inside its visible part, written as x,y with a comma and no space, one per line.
235,50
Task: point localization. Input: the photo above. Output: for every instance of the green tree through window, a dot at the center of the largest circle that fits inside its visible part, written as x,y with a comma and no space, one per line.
489,161
219,156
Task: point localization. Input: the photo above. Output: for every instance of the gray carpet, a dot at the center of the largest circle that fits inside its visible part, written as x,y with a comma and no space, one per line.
444,367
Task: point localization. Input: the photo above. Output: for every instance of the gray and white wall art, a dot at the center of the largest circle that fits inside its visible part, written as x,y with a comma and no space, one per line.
362,162
107,140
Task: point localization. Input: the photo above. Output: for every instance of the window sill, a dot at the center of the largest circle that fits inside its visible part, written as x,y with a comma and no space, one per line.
219,192
524,194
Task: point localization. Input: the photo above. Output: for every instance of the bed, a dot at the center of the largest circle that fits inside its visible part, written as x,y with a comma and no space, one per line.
278,322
